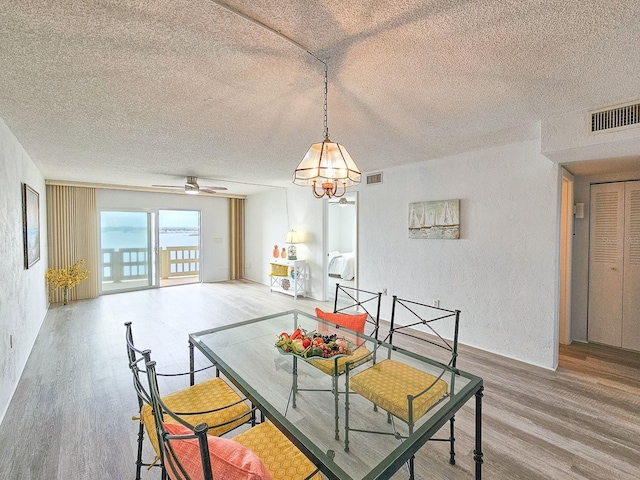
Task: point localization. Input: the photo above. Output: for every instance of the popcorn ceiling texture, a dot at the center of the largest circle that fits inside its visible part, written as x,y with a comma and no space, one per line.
144,92
23,297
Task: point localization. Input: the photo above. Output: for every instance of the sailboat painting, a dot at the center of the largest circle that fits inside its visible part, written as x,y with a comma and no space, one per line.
439,219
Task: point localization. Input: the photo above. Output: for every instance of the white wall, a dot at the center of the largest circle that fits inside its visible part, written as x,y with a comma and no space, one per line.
580,270
502,274
266,225
214,222
568,138
23,293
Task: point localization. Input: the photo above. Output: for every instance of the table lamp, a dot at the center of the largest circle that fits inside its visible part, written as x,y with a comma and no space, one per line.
292,239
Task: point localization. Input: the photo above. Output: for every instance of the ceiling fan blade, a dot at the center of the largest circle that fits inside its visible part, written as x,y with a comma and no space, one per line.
213,188
207,190
169,186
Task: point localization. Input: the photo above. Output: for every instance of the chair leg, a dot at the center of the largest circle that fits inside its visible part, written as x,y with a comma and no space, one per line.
139,459
452,440
346,416
336,395
412,468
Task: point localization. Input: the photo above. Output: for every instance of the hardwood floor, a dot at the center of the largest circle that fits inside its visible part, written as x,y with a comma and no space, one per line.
70,417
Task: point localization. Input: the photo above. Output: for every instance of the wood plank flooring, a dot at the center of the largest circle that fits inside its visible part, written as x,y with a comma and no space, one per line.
70,417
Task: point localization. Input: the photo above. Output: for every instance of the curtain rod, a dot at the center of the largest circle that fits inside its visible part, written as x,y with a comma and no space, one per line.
105,186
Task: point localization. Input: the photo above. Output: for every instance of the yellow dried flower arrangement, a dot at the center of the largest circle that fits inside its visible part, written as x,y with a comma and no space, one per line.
67,278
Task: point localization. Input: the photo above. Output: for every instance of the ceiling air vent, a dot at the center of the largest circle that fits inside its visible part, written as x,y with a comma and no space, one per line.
617,117
374,178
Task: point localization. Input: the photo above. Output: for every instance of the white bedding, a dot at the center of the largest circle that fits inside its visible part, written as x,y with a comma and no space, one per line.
342,265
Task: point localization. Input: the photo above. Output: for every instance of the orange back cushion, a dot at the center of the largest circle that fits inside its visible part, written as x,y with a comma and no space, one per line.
229,459
352,322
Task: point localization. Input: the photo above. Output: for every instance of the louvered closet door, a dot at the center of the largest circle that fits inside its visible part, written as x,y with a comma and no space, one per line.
631,285
606,263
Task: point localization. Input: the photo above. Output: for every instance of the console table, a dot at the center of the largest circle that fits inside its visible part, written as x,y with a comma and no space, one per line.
289,277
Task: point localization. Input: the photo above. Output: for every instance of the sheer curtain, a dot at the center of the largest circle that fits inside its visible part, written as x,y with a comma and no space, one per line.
236,234
72,227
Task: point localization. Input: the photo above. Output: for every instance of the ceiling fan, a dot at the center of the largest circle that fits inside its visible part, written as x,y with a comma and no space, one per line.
343,201
191,187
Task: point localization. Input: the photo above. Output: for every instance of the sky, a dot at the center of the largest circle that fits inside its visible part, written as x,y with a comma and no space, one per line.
168,218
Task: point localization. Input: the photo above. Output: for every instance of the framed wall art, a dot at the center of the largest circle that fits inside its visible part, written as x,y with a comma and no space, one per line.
437,219
30,225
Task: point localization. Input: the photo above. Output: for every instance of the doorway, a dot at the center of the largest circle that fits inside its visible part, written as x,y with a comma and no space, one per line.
340,243
614,265
178,247
566,248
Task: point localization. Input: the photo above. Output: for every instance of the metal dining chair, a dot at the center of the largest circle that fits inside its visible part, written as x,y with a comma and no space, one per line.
189,452
403,391
353,309
212,401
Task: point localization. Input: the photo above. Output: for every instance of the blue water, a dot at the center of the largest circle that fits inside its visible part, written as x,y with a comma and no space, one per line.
178,240
138,239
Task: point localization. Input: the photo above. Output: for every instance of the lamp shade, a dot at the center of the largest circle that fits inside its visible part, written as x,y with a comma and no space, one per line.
292,237
327,165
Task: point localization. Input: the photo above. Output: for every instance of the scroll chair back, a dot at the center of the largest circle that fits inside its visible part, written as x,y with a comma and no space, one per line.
440,325
260,453
212,401
403,391
356,300
354,309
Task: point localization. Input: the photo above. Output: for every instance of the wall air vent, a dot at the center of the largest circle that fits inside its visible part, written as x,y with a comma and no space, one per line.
374,178
623,116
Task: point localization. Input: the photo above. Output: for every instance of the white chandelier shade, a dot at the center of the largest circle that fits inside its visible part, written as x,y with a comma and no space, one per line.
328,169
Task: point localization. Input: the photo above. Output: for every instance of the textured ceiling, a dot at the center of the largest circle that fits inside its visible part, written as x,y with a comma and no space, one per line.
146,92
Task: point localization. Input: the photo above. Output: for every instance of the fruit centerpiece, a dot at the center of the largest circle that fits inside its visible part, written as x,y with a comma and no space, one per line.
313,344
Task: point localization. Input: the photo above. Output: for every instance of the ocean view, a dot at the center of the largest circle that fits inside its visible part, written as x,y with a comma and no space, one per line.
137,238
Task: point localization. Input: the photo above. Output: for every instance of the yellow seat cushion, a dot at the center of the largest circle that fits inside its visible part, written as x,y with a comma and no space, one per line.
388,383
207,395
328,365
281,457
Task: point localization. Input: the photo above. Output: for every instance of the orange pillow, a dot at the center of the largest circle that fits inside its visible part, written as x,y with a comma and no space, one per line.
229,459
352,322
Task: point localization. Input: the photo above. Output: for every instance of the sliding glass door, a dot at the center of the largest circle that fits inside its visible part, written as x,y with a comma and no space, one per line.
126,259
179,247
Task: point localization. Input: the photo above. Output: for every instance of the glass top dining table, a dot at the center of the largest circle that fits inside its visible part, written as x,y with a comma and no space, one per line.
246,355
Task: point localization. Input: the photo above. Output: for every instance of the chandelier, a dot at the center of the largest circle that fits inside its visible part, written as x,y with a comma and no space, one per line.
327,167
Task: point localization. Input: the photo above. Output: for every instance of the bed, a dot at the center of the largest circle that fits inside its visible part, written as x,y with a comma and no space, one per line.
342,265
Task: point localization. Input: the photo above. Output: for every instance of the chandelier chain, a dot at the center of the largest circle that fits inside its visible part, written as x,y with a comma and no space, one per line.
326,90
330,185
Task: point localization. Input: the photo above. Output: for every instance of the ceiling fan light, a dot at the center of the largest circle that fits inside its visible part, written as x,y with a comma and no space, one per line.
190,189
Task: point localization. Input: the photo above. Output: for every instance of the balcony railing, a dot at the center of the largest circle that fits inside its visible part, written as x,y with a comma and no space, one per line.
124,264
133,263
179,261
